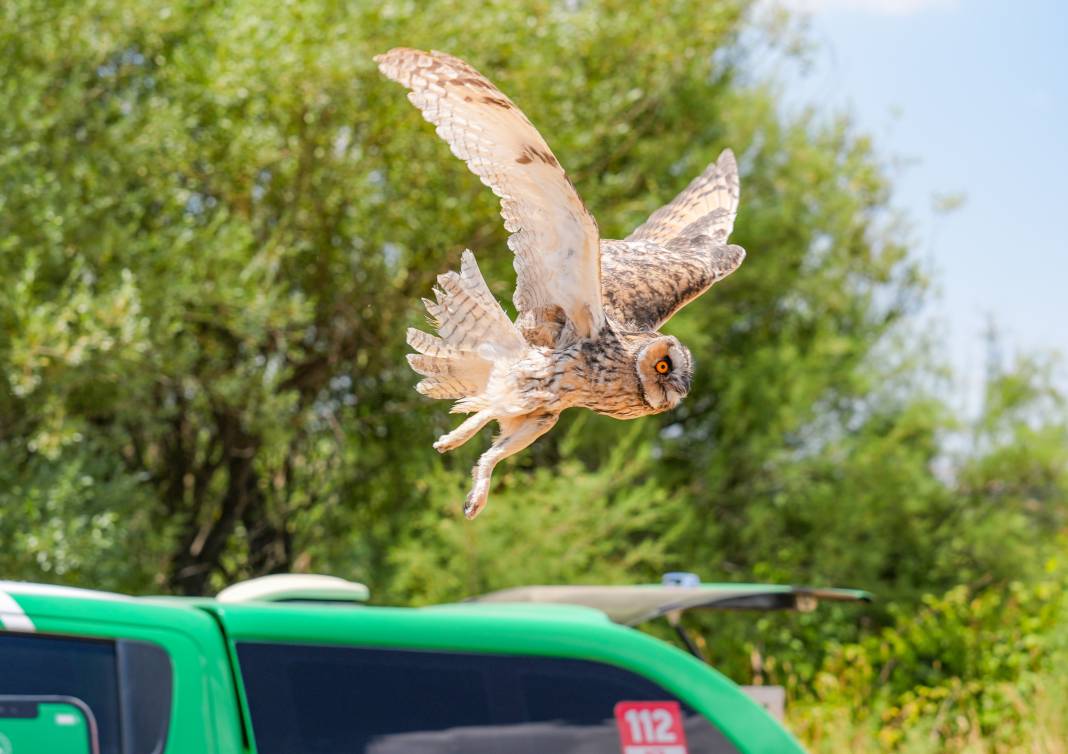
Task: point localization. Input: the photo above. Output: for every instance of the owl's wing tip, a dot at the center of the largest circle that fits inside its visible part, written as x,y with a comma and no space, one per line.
394,59
730,259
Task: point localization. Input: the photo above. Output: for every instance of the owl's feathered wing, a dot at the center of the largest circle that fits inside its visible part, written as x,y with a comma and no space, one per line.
717,188
678,253
554,237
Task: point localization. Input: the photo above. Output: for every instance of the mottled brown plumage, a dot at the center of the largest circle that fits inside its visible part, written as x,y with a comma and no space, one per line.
589,309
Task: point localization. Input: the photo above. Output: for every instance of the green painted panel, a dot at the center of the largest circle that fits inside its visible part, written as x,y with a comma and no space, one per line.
31,726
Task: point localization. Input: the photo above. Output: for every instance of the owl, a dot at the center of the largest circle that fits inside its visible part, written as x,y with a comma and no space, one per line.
589,309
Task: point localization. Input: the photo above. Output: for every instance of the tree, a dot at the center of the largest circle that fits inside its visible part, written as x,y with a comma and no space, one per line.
216,220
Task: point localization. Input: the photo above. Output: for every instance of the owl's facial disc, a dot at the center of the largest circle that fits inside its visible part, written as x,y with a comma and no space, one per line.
665,369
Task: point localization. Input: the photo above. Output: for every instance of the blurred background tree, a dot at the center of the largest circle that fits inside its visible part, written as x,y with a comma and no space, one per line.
216,221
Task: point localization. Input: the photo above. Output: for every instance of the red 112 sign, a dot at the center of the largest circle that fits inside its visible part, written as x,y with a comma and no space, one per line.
651,728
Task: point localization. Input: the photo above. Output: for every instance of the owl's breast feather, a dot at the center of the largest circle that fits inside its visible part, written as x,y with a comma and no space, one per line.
595,375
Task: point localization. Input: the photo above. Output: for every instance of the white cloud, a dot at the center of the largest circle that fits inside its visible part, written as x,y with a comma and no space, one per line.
879,7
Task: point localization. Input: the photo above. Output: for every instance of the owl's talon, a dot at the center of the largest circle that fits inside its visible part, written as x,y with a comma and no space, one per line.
472,507
468,429
448,442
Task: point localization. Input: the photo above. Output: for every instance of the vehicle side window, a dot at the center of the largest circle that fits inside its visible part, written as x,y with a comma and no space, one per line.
82,668
127,685
146,682
327,699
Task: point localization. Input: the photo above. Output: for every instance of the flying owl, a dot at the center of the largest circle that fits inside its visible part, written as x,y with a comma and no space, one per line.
588,308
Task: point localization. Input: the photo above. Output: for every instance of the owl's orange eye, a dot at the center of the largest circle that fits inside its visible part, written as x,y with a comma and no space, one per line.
663,366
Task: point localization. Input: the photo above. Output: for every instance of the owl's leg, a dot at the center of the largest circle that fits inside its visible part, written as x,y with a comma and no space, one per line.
515,435
468,429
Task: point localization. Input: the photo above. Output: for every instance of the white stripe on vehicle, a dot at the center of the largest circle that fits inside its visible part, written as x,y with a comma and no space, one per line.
12,616
51,590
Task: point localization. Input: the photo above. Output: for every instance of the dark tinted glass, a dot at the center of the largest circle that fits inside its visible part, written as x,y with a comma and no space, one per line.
342,700
84,669
145,686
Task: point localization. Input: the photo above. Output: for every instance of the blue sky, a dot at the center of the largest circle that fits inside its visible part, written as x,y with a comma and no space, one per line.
968,97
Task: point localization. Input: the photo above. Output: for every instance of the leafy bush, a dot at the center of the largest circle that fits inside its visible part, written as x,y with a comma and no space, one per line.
964,670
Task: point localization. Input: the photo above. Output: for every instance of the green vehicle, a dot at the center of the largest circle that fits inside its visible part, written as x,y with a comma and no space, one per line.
299,665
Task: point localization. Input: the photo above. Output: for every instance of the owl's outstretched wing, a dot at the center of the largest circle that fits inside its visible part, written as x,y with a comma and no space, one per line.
554,237
715,189
678,253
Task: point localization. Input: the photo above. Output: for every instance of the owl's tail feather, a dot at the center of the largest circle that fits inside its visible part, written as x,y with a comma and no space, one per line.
473,333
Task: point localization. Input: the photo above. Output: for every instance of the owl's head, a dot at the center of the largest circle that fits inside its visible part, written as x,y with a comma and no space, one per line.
665,369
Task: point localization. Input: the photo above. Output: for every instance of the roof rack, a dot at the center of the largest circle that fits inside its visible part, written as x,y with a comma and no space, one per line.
678,592
295,587
631,605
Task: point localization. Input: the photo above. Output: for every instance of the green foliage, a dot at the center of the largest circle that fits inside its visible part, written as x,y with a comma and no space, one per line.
443,558
972,671
216,220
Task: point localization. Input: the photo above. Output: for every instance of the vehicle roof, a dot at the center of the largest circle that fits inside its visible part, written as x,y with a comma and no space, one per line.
586,604
31,601
24,605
